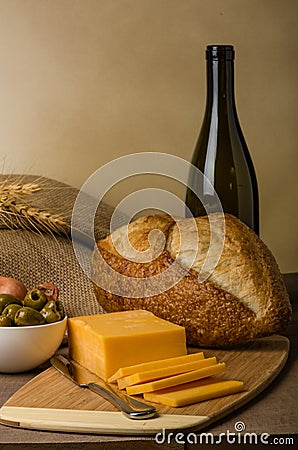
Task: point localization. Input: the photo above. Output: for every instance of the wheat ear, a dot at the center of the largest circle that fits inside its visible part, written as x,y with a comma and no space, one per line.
20,215
17,189
15,213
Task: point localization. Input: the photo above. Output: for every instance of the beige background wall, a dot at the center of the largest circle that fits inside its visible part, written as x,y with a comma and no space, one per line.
85,81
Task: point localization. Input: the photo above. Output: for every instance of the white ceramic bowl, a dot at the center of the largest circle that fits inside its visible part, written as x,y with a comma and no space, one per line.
24,348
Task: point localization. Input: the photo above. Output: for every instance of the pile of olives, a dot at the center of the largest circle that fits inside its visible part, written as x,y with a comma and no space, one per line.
38,307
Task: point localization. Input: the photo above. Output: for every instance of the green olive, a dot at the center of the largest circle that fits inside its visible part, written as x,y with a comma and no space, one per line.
60,308
50,312
50,315
35,299
11,310
5,321
7,299
57,306
28,316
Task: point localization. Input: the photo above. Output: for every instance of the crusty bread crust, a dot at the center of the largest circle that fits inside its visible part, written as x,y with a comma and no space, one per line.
244,298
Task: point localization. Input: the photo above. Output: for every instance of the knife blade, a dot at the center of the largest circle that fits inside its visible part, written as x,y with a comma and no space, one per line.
129,406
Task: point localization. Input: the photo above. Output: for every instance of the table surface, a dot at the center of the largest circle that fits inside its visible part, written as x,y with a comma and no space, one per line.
274,411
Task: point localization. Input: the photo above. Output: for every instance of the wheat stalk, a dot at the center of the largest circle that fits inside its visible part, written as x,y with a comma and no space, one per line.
16,213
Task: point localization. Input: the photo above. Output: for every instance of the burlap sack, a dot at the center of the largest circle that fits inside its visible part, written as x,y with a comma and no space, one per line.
35,256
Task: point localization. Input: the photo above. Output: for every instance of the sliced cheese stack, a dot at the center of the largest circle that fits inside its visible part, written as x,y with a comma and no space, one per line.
105,342
155,374
177,381
151,365
196,391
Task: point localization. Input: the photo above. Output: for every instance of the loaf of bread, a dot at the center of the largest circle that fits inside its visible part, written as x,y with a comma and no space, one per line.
224,294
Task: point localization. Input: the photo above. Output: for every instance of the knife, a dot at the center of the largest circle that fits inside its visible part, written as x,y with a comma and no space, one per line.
129,406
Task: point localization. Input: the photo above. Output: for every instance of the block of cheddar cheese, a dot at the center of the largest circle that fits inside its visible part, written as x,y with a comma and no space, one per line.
193,392
155,374
153,365
103,343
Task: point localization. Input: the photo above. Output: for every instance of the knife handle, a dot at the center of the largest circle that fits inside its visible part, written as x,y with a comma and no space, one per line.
132,408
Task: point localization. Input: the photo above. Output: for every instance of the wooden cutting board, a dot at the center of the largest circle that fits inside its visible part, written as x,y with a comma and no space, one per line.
51,402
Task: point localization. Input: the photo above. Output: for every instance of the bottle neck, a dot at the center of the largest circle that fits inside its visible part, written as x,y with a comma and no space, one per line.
220,85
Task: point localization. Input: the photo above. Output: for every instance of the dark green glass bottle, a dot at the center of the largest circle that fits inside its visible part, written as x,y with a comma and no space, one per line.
221,153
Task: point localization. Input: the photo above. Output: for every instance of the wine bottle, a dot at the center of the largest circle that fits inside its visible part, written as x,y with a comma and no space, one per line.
221,153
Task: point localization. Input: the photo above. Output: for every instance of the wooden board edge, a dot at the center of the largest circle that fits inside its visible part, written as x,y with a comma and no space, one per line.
252,395
95,422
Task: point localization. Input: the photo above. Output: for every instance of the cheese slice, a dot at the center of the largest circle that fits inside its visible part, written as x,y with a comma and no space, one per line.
176,379
155,374
196,391
105,342
158,364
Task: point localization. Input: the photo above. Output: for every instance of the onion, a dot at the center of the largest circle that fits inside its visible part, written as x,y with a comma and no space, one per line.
13,287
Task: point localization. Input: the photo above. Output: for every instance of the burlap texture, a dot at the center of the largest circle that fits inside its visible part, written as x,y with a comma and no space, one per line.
35,257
